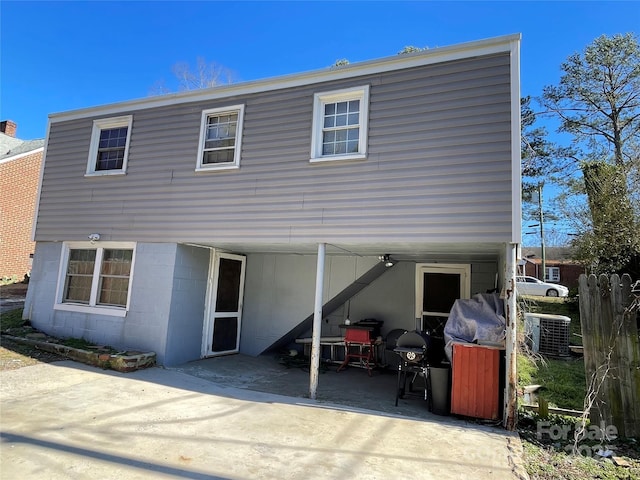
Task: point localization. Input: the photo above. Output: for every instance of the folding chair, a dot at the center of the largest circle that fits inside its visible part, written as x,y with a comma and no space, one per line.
358,345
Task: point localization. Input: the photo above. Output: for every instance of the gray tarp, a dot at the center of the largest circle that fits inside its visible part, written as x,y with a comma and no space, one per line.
479,319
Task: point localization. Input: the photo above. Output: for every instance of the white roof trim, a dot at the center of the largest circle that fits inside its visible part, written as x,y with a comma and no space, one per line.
397,62
23,154
44,159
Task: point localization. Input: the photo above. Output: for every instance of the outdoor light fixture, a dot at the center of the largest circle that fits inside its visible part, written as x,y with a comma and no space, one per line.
386,259
94,237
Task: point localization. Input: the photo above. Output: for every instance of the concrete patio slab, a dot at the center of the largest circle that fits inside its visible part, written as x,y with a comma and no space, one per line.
68,420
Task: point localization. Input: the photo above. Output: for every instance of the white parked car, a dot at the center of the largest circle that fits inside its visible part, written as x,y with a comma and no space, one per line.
533,286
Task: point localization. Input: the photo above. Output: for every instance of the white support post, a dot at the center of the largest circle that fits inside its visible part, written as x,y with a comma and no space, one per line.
511,316
317,324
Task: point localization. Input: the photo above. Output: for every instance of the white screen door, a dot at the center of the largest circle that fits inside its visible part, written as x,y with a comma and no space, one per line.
224,312
438,286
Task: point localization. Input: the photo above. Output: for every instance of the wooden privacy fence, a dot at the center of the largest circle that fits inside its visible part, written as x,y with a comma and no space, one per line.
610,336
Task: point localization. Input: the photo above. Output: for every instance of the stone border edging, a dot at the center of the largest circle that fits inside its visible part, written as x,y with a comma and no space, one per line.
119,362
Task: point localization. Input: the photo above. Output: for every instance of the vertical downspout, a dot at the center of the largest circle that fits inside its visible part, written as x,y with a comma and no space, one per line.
511,317
317,324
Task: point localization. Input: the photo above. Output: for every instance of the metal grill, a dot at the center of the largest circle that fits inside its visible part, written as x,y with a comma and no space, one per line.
412,347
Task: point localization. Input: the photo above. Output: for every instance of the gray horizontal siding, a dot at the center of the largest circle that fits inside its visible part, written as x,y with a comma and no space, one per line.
438,168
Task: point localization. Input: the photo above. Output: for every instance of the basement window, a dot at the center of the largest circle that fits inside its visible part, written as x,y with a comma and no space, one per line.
95,279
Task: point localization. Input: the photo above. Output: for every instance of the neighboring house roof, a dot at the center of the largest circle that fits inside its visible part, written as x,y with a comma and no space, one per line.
548,261
564,253
12,147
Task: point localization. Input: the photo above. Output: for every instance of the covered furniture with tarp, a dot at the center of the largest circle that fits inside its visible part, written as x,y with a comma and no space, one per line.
475,340
479,319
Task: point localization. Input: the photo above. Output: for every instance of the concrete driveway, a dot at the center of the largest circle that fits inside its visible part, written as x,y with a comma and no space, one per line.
67,420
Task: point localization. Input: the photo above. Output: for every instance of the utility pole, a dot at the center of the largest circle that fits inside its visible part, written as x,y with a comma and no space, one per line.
541,214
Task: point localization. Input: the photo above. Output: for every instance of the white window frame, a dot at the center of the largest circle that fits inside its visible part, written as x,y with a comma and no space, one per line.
239,110
105,124
462,269
319,100
92,307
548,277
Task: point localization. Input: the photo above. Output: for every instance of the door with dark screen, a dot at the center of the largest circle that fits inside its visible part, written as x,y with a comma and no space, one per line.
438,289
223,332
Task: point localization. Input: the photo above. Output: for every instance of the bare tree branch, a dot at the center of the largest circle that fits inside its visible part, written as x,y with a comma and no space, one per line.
204,75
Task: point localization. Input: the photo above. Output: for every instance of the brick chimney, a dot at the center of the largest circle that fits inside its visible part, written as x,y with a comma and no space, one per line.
8,127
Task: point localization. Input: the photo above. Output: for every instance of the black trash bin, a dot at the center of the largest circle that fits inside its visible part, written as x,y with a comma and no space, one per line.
440,389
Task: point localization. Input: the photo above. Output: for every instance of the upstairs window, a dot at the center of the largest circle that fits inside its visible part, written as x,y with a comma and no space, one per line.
220,138
109,149
340,121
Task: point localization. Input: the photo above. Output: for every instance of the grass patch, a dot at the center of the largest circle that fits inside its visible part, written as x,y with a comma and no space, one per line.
563,380
527,369
565,387
547,463
11,319
15,355
548,458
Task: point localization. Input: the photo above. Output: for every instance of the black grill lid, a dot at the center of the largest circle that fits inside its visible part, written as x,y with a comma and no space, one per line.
412,340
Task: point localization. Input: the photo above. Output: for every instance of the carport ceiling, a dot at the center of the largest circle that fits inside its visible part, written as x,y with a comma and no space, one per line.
398,251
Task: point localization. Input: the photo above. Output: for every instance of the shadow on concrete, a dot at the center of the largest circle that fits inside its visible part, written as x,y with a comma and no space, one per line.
146,467
351,388
213,419
265,379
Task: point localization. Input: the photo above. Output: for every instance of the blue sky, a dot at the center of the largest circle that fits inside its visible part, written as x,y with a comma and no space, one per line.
58,56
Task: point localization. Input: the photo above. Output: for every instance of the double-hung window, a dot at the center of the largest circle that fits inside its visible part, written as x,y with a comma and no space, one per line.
220,138
552,274
96,278
340,120
109,150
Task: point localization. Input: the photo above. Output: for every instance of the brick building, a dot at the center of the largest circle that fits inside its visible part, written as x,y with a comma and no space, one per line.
20,163
560,267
